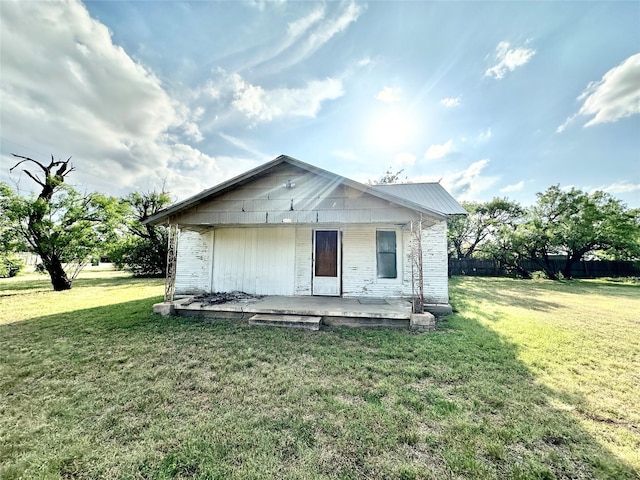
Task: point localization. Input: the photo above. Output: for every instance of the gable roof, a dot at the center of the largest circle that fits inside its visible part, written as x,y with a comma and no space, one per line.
435,201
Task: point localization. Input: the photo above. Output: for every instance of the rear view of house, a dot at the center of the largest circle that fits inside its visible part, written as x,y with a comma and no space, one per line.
290,228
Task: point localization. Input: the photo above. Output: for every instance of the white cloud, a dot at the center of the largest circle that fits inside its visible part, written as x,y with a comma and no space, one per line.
566,123
263,105
364,62
404,158
508,59
295,32
262,4
615,96
329,28
298,27
308,34
99,106
467,184
302,37
67,90
243,145
516,187
438,151
451,102
388,95
190,171
618,188
484,136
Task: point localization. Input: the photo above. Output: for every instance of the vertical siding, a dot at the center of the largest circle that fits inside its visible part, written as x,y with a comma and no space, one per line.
254,260
435,265
277,261
303,248
193,268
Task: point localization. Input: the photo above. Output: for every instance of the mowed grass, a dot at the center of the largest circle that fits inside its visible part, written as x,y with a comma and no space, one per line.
529,379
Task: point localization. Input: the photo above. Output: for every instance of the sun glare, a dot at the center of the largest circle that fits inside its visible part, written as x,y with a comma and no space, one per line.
391,129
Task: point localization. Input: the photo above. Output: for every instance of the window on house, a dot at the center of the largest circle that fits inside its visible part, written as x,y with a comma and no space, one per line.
386,248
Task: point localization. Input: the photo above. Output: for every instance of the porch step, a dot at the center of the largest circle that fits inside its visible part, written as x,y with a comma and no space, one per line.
291,321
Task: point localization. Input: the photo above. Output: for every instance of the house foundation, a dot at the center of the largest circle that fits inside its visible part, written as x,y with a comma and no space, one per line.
332,311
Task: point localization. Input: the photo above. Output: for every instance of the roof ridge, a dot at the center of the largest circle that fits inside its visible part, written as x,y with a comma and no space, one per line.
405,183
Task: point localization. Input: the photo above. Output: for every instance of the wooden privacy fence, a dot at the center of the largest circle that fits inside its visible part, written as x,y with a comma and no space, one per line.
585,269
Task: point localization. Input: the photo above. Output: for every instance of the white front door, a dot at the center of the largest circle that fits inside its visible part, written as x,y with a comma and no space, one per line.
326,262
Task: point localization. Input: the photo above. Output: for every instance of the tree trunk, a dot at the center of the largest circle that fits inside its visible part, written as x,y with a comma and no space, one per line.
571,260
59,279
566,271
523,272
542,260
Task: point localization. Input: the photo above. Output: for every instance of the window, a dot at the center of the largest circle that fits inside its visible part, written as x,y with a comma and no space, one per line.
386,248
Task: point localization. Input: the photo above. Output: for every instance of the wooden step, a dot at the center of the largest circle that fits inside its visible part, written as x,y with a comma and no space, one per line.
291,321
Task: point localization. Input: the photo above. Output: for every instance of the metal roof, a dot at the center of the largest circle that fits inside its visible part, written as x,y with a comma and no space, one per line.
430,195
425,202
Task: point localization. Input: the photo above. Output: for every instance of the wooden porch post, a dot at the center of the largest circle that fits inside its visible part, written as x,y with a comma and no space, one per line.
417,284
172,255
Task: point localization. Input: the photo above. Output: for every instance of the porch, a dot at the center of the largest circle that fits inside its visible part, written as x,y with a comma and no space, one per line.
333,311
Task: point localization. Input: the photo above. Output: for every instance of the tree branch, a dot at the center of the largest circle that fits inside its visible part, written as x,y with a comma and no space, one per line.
27,159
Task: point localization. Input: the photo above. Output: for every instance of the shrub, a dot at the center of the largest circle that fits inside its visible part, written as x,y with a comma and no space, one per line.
10,266
539,275
140,256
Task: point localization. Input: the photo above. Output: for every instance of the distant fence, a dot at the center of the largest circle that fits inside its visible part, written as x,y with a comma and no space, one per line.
29,259
586,269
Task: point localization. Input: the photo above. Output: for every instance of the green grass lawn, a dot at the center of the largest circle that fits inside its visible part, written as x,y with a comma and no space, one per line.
529,379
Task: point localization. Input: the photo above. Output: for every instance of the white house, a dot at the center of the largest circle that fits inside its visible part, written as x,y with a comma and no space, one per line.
290,228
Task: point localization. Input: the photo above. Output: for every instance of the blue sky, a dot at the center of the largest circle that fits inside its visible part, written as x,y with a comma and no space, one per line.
489,98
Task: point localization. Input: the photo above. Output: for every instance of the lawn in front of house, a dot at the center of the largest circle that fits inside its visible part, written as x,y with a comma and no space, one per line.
528,379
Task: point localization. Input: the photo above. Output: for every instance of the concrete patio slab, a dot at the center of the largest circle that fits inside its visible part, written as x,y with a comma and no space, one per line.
334,311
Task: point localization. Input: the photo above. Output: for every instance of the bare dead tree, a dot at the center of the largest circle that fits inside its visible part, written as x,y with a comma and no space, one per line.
51,181
34,231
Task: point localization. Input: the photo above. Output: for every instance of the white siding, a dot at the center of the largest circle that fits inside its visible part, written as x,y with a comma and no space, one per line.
314,199
254,260
359,272
277,261
406,268
435,263
193,268
304,245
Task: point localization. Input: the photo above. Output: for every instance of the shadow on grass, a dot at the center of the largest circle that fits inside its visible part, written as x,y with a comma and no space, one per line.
18,286
42,283
115,391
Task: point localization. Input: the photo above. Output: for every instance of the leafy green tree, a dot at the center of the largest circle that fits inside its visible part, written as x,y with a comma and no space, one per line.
9,264
469,233
63,227
388,177
571,224
142,248
8,234
508,247
574,223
